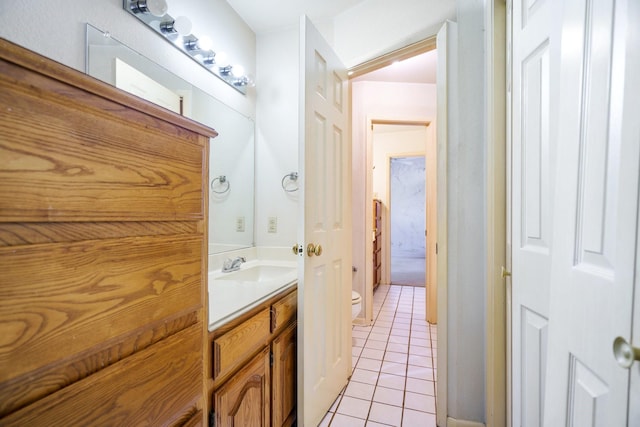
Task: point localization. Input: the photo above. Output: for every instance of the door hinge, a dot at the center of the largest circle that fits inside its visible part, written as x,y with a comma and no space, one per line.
212,419
436,249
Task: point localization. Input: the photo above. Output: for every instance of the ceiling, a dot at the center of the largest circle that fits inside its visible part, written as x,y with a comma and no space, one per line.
268,15
418,69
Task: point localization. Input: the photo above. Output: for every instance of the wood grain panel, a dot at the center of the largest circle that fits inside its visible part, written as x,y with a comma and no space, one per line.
103,208
58,300
197,420
28,388
161,385
62,160
234,347
283,311
15,234
244,400
283,394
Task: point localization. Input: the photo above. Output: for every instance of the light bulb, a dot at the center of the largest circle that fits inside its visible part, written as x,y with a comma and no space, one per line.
157,7
205,43
237,71
182,25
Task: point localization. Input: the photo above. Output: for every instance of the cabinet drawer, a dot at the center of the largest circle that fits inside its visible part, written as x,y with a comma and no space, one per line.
160,385
236,346
284,310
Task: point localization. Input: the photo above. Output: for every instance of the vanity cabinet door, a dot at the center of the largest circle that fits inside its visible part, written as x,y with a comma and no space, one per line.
244,400
284,377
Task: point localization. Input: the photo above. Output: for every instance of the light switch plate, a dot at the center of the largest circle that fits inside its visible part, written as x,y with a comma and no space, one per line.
272,227
240,224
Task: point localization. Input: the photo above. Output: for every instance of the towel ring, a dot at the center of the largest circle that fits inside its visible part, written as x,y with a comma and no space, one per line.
292,177
222,180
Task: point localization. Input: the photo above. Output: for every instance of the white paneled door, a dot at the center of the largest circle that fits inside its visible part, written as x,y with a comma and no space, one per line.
532,184
324,289
595,215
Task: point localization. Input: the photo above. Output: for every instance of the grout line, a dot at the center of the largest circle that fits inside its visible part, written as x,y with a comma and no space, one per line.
392,300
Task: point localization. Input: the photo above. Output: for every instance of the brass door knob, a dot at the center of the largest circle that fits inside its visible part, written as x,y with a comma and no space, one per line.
313,249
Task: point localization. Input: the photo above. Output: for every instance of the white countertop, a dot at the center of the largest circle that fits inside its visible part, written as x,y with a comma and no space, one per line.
229,299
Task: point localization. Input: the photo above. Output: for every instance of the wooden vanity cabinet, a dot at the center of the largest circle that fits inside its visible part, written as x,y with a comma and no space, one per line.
283,393
244,399
103,252
254,366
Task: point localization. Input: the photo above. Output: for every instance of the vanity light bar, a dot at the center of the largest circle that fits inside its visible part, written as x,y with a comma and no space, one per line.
178,32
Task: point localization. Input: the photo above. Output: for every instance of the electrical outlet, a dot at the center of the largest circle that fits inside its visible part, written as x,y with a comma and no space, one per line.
240,224
273,224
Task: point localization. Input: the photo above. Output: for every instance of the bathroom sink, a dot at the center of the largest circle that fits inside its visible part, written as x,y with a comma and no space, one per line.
258,273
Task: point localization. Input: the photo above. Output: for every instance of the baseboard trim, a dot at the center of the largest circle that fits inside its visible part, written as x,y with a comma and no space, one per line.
452,422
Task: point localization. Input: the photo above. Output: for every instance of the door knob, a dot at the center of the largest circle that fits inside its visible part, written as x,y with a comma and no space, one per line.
296,249
625,353
314,250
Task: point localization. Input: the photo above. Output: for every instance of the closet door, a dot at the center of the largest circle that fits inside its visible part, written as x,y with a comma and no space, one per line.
531,209
596,215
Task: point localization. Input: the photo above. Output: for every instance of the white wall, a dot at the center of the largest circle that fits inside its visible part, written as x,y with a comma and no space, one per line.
396,141
56,29
408,207
466,204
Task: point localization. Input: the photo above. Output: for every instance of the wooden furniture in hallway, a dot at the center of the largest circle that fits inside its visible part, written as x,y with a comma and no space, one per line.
377,243
103,225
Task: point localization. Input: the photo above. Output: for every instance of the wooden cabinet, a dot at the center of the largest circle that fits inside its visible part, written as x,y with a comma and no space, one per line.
244,399
284,377
102,251
377,243
254,362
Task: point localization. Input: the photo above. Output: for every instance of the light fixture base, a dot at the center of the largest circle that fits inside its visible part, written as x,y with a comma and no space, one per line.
167,27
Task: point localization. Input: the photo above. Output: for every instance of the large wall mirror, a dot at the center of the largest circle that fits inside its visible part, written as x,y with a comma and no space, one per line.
231,163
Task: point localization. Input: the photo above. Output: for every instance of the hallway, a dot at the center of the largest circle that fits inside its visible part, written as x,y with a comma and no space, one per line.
393,382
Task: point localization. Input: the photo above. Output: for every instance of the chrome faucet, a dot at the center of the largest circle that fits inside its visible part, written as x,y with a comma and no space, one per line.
233,264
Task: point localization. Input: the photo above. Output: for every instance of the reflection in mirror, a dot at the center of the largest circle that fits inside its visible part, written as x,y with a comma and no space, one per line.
231,211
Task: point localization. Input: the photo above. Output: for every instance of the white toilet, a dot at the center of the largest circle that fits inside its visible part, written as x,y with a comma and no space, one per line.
356,304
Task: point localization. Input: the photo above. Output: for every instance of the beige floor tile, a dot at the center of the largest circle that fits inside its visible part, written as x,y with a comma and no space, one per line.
354,407
420,402
389,396
385,414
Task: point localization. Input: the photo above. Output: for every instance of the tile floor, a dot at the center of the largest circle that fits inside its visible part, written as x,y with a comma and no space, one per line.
393,381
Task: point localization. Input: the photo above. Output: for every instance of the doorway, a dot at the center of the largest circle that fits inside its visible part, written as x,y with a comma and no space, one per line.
385,94
407,187
403,143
